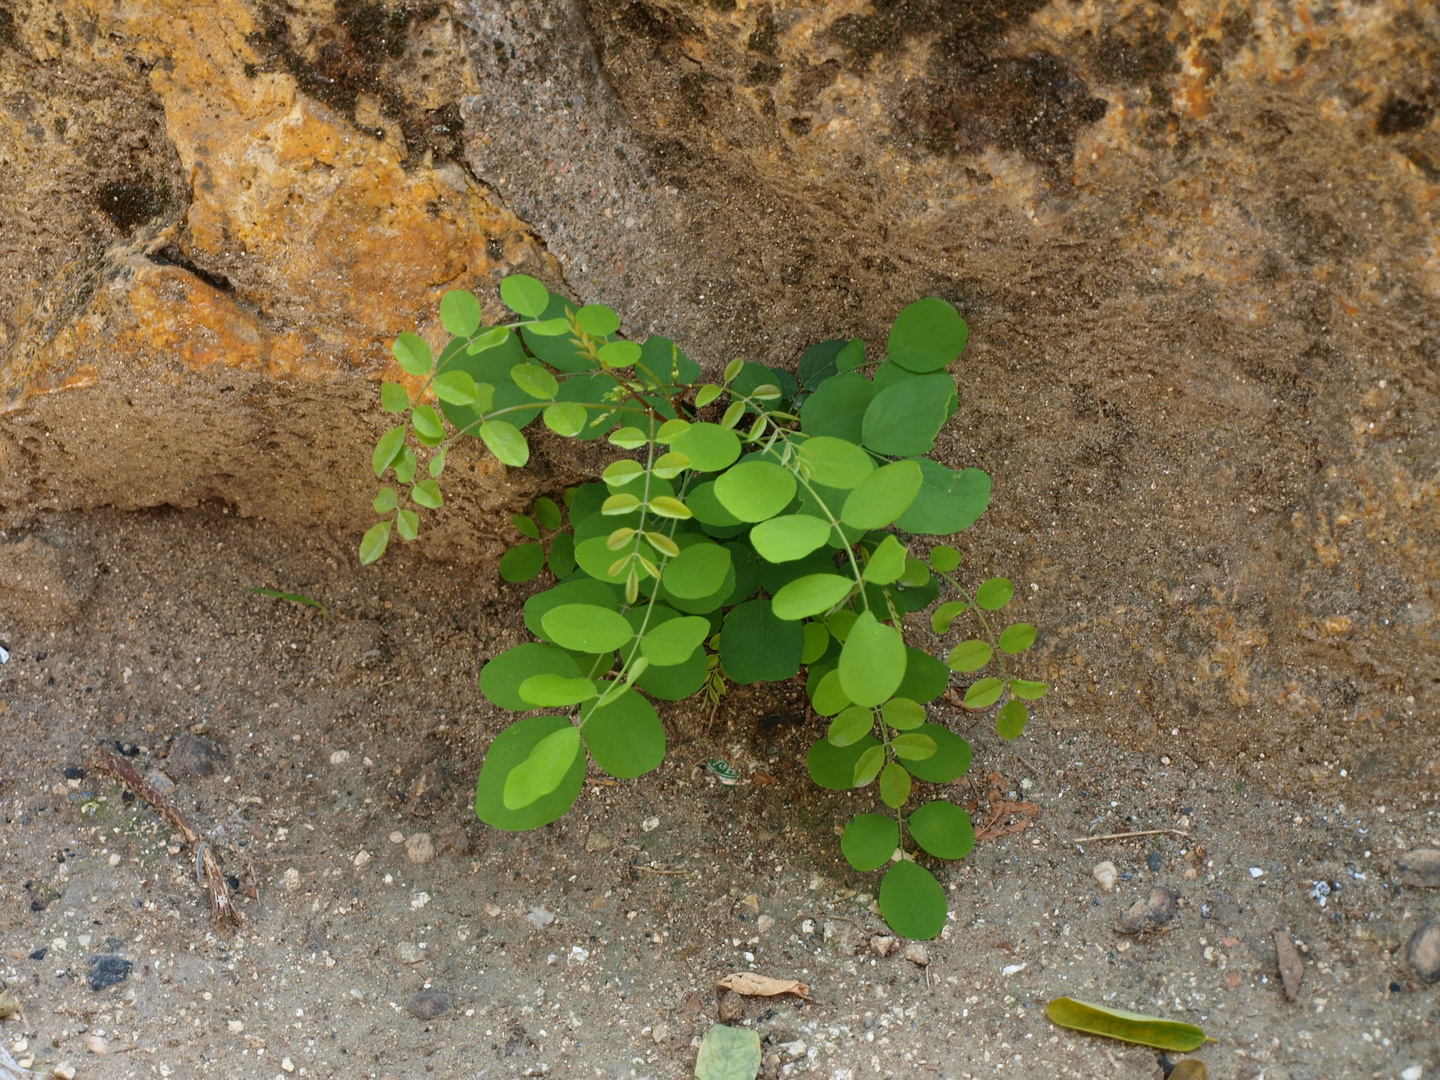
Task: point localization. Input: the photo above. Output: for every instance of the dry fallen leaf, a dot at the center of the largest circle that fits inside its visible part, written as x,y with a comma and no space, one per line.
9,1004
1190,1069
752,985
1292,968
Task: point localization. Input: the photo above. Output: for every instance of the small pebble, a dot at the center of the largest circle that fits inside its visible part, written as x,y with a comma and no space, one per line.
1414,1072
731,1006
597,841
765,923
191,755
159,781
1420,868
882,945
362,857
97,1044
1256,872
792,1051
287,1064
420,848
1106,875
235,1026
428,1004
660,1032
917,954
540,916
397,837
408,953
1152,912
1154,862
650,824
65,1071
419,899
339,757
74,772
1423,952
290,880
114,858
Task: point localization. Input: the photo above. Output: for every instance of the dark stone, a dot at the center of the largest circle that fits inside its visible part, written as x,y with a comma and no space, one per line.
39,954
1154,861
107,969
428,1004
130,204
1420,867
1423,952
74,772
1399,115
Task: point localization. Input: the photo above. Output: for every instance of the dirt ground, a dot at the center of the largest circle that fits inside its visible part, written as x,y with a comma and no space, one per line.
590,948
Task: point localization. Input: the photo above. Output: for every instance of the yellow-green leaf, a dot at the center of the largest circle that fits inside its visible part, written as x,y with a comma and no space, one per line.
1131,1027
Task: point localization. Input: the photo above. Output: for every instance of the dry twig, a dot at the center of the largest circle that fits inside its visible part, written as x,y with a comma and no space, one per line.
1128,835
207,864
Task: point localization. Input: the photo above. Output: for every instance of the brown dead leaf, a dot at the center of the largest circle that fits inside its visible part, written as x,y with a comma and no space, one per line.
1003,816
752,985
1190,1069
1292,968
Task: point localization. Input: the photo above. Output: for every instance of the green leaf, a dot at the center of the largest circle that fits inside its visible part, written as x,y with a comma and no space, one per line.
983,693
868,766
543,769
535,381
882,496
675,682
619,354
925,677
456,388
385,500
579,590
562,555
407,524
525,526
811,595
621,473
294,598
903,419
887,562
706,394
817,363
394,397
894,785
951,759
827,698
837,407
756,646
755,490
501,678
870,840
903,714
629,438
437,465
624,735
913,746
427,422
944,558
553,691
790,537
413,353
524,295
547,512
994,594
942,829
405,464
927,335
522,562
374,542
817,642
1029,691
833,767
427,494
586,628
948,501
1126,1026
834,462
946,614
852,725
912,901
547,328
511,747
387,449
1010,721
505,442
597,320
872,661
697,571
675,641
496,335
852,356
969,655
728,1053
460,312
709,447
1017,637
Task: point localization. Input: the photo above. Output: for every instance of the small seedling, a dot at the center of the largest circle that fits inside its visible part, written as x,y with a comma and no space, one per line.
742,531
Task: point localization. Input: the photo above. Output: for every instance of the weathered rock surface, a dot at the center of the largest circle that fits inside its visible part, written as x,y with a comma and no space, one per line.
1195,243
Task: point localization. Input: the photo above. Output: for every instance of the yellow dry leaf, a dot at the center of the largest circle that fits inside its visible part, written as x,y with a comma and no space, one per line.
752,985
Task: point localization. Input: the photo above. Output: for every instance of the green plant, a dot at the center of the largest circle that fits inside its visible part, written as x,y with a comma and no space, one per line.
752,528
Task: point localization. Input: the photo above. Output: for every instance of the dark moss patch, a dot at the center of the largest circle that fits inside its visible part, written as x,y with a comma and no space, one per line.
170,255
971,97
129,204
8,38
1399,115
765,37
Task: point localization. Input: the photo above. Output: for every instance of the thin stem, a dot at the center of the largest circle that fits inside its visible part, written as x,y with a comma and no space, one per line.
995,649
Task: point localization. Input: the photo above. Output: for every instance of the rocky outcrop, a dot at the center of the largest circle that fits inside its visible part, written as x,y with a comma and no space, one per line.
1196,242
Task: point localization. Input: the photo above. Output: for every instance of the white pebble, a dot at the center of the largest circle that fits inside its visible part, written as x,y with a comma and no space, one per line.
1414,1072
287,1064
764,923
235,1026
1106,875
65,1071
419,900
1013,969
115,859
291,879
1256,872
420,848
339,757
397,837
362,857
650,824
97,1044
